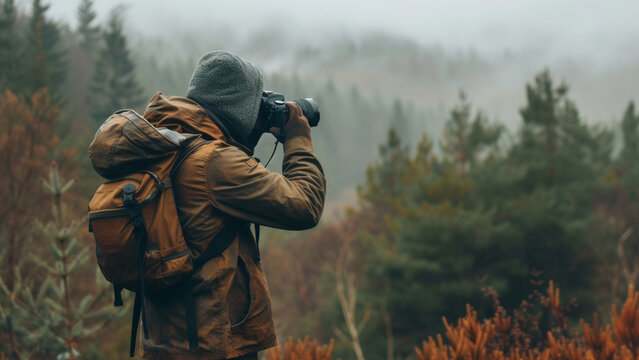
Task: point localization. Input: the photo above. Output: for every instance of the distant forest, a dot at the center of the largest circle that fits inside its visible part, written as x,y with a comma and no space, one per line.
430,207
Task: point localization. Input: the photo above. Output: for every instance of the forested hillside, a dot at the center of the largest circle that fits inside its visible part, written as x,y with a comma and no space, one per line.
432,204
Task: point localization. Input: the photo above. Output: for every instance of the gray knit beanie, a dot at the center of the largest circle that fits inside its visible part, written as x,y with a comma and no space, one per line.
230,87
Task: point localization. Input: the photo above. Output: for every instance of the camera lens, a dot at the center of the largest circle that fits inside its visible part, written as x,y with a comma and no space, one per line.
310,108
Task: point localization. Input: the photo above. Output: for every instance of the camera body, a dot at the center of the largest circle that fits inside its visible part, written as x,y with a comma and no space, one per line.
274,113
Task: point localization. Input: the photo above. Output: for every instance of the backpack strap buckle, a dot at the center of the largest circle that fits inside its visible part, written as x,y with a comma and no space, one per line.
128,192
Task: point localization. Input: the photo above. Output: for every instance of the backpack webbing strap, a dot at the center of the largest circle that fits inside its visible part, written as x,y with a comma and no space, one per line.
140,241
135,213
220,242
117,295
189,312
257,240
190,149
134,324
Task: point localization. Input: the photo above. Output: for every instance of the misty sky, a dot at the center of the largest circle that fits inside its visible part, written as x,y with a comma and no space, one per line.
599,30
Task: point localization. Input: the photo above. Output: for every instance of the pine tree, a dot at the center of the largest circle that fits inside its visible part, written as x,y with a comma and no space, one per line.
11,49
114,82
546,186
630,134
385,178
88,32
400,121
45,60
555,145
57,313
22,332
540,120
464,139
627,170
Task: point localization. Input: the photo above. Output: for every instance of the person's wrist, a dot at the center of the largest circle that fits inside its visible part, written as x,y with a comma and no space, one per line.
298,142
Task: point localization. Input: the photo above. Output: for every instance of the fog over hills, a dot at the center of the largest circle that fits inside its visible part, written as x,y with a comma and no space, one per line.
416,50
394,66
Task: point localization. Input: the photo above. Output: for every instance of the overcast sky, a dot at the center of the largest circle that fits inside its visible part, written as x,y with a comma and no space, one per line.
602,30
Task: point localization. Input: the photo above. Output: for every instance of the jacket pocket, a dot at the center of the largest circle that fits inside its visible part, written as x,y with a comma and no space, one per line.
239,299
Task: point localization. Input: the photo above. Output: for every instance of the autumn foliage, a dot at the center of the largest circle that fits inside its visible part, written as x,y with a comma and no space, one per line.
27,141
301,350
512,337
497,338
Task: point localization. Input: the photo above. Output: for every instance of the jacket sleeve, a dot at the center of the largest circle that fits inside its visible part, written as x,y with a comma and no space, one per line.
243,188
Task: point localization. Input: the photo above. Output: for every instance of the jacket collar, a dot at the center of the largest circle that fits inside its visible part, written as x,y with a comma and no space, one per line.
186,116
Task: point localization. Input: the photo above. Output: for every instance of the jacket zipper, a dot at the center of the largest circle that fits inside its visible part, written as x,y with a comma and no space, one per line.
175,256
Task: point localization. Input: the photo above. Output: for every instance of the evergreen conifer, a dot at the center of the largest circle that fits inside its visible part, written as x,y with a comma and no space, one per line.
46,63
400,121
630,134
11,49
114,82
464,139
628,170
88,31
54,315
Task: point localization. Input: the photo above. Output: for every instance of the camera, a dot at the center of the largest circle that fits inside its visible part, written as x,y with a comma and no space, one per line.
274,113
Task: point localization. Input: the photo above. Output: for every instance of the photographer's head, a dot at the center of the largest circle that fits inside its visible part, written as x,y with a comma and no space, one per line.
230,88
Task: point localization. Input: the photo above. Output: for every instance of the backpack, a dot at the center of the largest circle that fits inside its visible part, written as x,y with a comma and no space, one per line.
140,245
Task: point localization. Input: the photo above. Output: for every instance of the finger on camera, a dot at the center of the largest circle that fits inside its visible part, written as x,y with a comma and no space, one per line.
275,131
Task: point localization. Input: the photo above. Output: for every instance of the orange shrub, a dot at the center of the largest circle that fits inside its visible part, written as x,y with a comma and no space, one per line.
492,339
302,350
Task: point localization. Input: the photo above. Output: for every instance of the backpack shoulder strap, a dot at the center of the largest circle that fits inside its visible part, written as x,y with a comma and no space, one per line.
186,152
220,242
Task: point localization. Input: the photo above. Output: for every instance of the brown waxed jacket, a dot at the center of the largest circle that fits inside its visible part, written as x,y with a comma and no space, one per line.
217,182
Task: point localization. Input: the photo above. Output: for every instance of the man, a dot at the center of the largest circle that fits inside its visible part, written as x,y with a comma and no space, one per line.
219,182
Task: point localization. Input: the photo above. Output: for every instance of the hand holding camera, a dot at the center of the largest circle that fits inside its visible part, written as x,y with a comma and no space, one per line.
297,124
288,119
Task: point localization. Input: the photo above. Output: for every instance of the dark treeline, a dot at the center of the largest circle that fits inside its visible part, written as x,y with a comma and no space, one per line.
450,206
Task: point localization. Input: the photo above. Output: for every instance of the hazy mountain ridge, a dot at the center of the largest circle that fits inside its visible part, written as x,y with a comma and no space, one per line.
396,67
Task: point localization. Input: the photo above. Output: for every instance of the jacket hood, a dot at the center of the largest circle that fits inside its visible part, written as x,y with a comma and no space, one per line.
229,87
182,115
